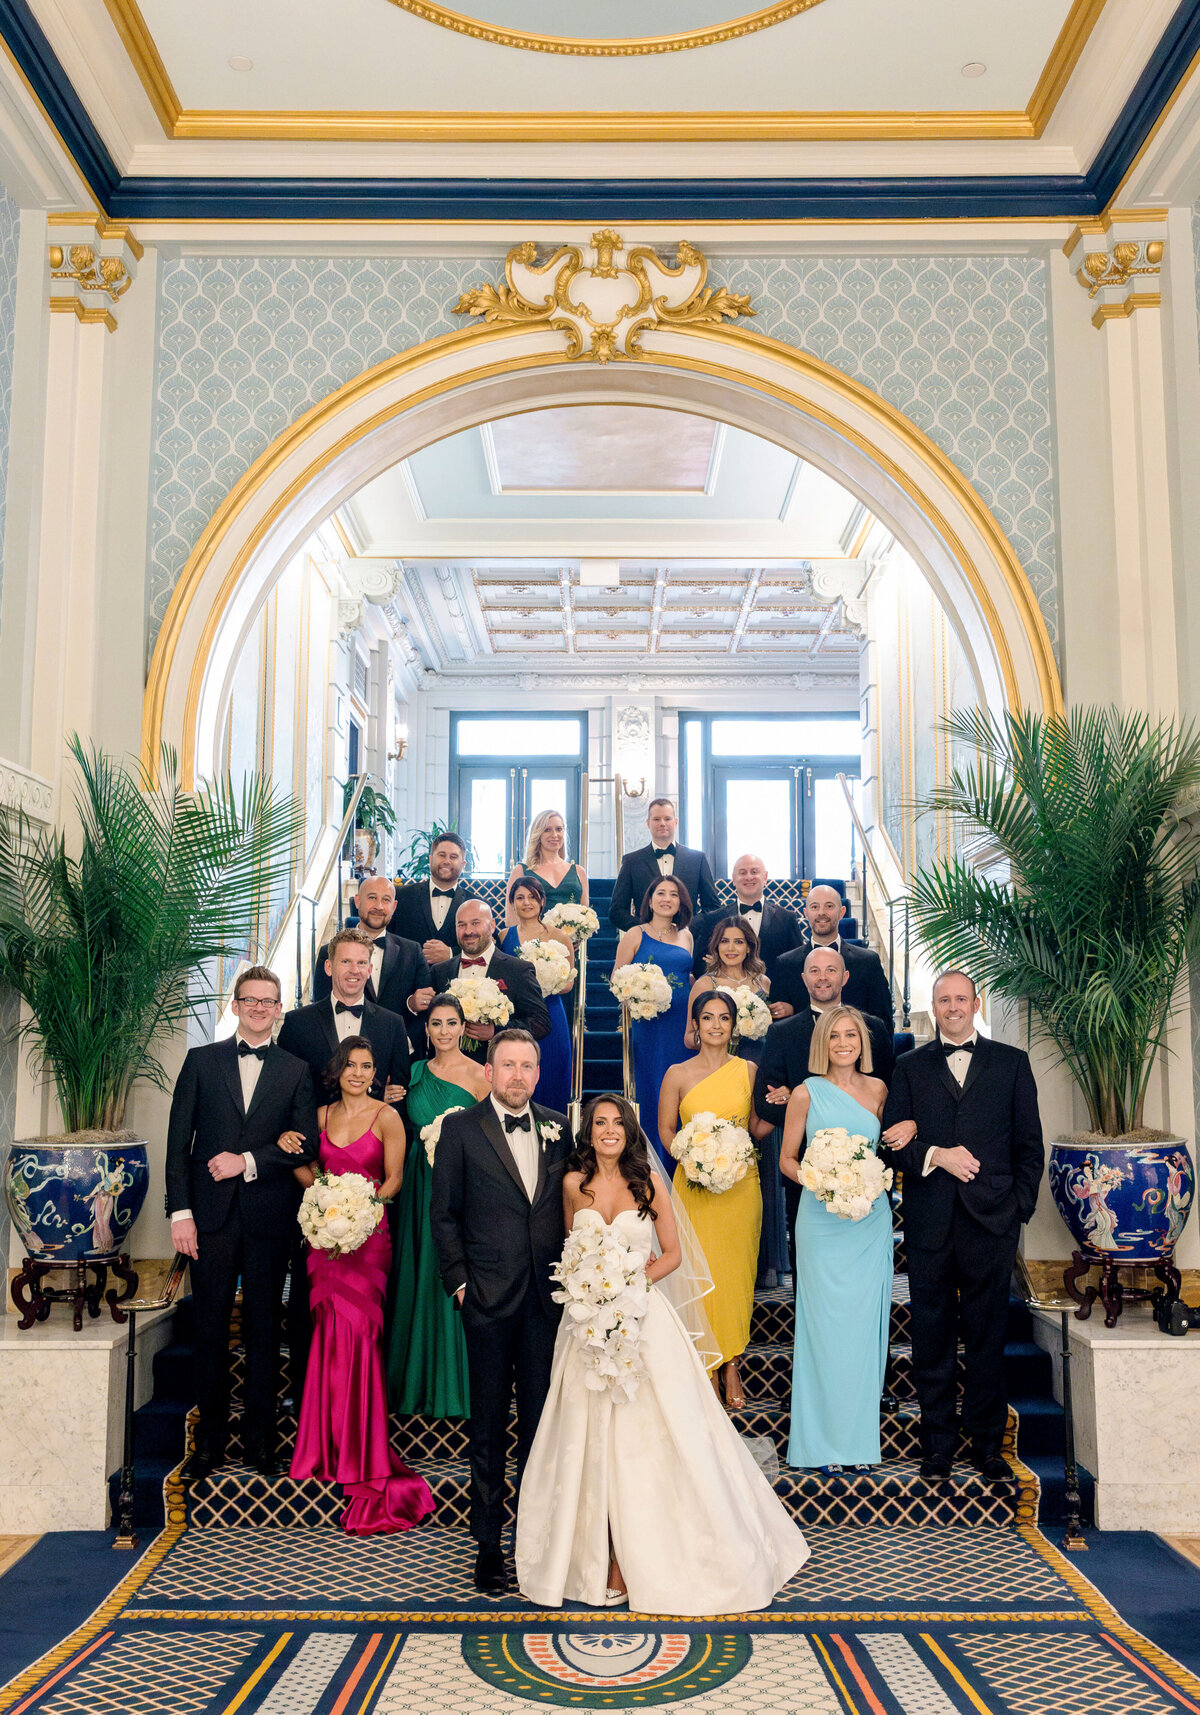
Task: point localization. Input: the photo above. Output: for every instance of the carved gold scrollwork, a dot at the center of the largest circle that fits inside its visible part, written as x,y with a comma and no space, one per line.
1117,263
603,298
80,263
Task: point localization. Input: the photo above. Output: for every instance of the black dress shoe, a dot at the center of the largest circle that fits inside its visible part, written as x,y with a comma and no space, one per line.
197,1466
266,1464
936,1467
992,1466
490,1576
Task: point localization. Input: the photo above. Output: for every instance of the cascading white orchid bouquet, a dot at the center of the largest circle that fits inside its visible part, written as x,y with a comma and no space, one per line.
605,1293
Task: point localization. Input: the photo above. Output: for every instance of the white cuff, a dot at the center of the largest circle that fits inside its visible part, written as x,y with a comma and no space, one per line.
928,1167
459,1289
180,1215
250,1170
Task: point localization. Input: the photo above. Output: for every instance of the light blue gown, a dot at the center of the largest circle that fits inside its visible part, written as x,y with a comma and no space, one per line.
658,1042
554,1077
843,1310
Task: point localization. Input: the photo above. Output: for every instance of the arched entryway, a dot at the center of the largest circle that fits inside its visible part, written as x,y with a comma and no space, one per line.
466,378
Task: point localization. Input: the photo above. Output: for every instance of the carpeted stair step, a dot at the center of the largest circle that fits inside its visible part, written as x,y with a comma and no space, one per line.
149,1476
773,1318
159,1429
1048,1469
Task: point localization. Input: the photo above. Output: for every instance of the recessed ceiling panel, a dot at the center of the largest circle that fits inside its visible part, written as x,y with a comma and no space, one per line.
601,449
600,27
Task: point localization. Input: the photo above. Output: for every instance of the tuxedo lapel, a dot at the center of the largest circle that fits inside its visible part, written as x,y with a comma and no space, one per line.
391,954
494,1132
233,1076
943,1071
328,1025
979,1061
265,1082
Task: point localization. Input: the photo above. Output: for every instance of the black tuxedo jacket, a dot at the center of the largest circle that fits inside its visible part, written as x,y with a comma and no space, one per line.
489,1236
994,1114
638,869
413,917
780,933
867,986
785,1057
310,1033
404,969
207,1118
519,981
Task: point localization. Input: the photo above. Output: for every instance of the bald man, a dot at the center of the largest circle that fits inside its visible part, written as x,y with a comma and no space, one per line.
777,928
867,986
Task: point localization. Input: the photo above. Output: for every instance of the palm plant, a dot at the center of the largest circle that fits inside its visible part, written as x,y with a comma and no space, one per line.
1076,890
413,862
111,948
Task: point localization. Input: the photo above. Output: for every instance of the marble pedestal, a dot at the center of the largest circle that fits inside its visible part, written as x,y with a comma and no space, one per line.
62,1415
1137,1417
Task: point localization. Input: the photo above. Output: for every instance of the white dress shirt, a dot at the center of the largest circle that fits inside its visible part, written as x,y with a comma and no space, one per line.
345,1023
959,1064
666,861
249,1070
377,962
439,907
486,956
524,1145
755,910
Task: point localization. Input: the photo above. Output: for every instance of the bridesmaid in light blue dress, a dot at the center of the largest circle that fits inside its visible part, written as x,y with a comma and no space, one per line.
661,938
527,899
843,1267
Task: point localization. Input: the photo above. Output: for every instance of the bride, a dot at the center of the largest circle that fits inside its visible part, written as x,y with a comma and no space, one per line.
720,1541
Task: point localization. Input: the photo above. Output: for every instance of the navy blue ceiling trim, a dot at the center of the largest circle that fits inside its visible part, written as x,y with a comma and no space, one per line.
880,198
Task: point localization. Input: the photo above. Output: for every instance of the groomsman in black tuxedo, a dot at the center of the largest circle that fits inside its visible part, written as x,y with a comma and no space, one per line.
480,957
784,1061
867,986
777,928
497,1221
400,980
425,910
642,868
242,1118
962,1121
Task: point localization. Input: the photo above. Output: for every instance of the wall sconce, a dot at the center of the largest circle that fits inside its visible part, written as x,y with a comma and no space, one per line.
400,751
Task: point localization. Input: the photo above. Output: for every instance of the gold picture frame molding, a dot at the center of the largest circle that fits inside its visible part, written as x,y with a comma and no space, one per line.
432,126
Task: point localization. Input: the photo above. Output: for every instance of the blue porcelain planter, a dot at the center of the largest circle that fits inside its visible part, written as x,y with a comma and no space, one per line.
1128,1201
71,1201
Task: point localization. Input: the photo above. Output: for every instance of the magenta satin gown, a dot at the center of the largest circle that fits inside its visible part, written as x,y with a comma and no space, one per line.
343,1432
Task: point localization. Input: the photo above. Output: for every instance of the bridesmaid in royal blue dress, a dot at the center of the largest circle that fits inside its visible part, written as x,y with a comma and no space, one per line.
662,938
843,1267
527,901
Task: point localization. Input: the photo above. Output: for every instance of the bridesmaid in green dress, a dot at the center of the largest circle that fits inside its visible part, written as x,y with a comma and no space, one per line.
427,1356
565,882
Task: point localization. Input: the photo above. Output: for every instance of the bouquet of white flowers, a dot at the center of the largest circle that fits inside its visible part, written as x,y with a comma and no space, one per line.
604,1288
430,1135
753,1013
578,921
339,1212
714,1153
644,989
843,1170
482,999
550,962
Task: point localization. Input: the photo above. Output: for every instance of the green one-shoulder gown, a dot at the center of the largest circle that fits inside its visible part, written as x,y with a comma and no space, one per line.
427,1355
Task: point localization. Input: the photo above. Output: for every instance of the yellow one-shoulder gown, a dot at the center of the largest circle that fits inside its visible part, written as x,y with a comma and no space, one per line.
727,1223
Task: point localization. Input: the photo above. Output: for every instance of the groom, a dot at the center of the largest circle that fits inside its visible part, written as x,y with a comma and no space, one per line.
497,1222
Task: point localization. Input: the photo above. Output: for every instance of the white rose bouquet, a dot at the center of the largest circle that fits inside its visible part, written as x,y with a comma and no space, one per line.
843,1170
644,989
578,921
550,963
339,1212
602,1283
714,1153
753,1013
482,999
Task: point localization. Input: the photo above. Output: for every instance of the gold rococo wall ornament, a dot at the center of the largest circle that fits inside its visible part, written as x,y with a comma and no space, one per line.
602,298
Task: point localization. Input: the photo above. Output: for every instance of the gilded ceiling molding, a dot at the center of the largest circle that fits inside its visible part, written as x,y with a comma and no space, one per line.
1118,263
606,46
602,307
92,265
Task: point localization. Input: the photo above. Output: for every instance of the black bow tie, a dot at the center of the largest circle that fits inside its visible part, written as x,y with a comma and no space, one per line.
757,906
380,941
949,1048
245,1051
443,892
342,1007
665,851
517,1122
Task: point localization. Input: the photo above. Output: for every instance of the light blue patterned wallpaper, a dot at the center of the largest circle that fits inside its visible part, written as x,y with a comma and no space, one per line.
958,344
10,228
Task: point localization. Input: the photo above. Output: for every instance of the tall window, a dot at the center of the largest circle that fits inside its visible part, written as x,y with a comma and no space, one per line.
505,770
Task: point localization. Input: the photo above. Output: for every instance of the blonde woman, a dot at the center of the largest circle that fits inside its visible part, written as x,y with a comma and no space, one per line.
546,857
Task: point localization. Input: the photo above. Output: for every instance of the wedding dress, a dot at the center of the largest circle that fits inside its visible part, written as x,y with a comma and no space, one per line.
696,1527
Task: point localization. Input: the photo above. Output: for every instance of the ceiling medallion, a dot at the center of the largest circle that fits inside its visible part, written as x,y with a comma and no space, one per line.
602,306
501,24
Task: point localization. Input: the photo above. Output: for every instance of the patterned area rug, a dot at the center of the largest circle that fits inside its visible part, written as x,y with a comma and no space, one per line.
917,1621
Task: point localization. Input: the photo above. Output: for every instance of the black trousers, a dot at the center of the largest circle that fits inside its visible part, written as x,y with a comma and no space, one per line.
961,1289
260,1260
503,1353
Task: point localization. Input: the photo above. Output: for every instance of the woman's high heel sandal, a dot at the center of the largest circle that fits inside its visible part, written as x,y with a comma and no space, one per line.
735,1398
615,1598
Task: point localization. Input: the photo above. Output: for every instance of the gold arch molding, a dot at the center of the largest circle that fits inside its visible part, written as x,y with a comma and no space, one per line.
592,46
479,373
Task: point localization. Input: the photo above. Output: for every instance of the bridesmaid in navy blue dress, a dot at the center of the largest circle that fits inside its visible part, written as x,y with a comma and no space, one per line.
527,897
662,938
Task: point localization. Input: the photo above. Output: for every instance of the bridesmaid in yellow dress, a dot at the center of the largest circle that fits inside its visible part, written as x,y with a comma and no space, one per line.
727,1223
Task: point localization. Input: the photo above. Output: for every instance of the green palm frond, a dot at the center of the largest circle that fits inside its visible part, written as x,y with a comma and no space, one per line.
1077,889
112,948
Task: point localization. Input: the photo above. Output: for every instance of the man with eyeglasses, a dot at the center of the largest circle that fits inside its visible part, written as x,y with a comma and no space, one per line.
243,1117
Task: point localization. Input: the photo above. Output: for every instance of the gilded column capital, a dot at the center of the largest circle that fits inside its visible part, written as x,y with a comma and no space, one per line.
1117,259
93,263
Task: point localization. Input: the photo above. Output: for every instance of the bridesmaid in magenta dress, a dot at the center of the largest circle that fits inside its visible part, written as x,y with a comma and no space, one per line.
343,1432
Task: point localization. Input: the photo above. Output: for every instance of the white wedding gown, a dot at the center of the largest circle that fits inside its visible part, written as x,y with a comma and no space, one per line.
696,1527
